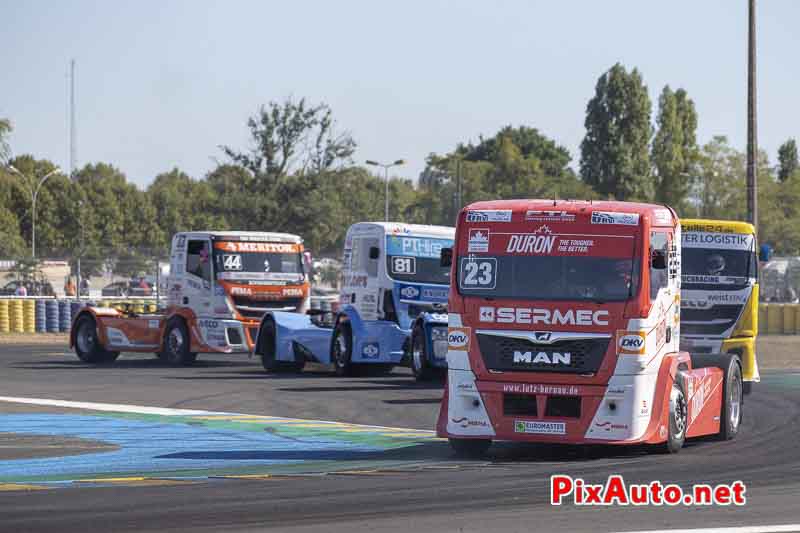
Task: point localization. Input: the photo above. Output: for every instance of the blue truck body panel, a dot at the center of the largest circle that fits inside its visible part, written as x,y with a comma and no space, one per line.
374,341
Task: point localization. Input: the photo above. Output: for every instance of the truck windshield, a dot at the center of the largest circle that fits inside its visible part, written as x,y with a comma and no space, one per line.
416,259
717,260
717,269
278,262
598,279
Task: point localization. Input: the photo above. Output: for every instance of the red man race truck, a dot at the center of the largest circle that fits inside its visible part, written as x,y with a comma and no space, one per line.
220,285
564,326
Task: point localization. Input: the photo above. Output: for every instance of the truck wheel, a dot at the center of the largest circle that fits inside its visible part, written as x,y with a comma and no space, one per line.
470,448
342,349
176,344
732,386
733,389
87,345
420,364
678,417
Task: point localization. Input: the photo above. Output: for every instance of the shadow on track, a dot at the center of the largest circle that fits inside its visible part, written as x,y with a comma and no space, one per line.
389,384
414,401
254,373
123,363
501,454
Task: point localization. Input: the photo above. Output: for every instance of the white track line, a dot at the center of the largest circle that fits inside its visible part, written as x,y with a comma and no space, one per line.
786,528
166,411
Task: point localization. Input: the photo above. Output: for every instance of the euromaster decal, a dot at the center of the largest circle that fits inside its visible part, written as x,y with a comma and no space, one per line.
541,428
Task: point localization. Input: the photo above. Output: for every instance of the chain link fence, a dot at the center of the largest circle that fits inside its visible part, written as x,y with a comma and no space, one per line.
136,275
779,280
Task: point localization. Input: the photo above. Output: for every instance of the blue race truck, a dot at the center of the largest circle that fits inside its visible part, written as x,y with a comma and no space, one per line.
392,307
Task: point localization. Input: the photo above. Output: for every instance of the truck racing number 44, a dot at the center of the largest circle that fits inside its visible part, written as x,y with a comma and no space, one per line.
219,287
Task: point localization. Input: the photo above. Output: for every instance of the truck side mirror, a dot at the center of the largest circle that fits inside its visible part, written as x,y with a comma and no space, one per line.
374,252
446,257
658,261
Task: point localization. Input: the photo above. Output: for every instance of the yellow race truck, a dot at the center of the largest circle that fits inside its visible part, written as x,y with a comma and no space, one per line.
719,291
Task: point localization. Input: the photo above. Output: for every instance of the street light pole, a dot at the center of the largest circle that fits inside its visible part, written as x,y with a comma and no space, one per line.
386,168
34,196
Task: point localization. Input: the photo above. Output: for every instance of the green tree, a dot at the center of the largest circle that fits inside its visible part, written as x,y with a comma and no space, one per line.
674,151
120,219
514,163
614,153
553,158
230,186
183,204
51,203
720,189
787,160
11,243
292,136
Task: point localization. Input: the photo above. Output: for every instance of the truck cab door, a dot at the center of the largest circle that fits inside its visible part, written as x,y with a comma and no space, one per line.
199,277
665,287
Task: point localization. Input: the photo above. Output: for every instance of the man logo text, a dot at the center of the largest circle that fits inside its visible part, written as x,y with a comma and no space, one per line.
542,357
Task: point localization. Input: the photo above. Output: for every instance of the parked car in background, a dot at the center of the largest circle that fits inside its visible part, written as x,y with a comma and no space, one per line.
34,288
118,288
124,289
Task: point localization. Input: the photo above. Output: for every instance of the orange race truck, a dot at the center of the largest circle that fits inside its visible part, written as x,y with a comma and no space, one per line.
564,327
220,285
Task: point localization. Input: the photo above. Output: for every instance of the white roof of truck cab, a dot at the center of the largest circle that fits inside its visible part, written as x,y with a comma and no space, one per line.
400,228
255,236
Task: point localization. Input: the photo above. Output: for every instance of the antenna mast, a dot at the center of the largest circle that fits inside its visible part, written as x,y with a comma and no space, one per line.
73,152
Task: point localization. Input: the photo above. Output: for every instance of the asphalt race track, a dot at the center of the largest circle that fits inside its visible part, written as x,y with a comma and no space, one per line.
224,447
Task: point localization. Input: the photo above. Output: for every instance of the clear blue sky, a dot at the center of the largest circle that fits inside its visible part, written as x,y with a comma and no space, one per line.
163,83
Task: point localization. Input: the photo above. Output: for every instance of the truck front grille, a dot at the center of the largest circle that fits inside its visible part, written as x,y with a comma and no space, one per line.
256,308
712,322
512,354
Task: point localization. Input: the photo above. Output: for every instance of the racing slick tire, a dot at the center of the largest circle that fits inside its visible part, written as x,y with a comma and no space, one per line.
342,350
678,417
420,363
267,350
470,448
87,343
176,344
732,390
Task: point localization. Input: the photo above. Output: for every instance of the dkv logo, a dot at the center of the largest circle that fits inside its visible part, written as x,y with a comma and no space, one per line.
458,338
370,350
631,342
409,291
